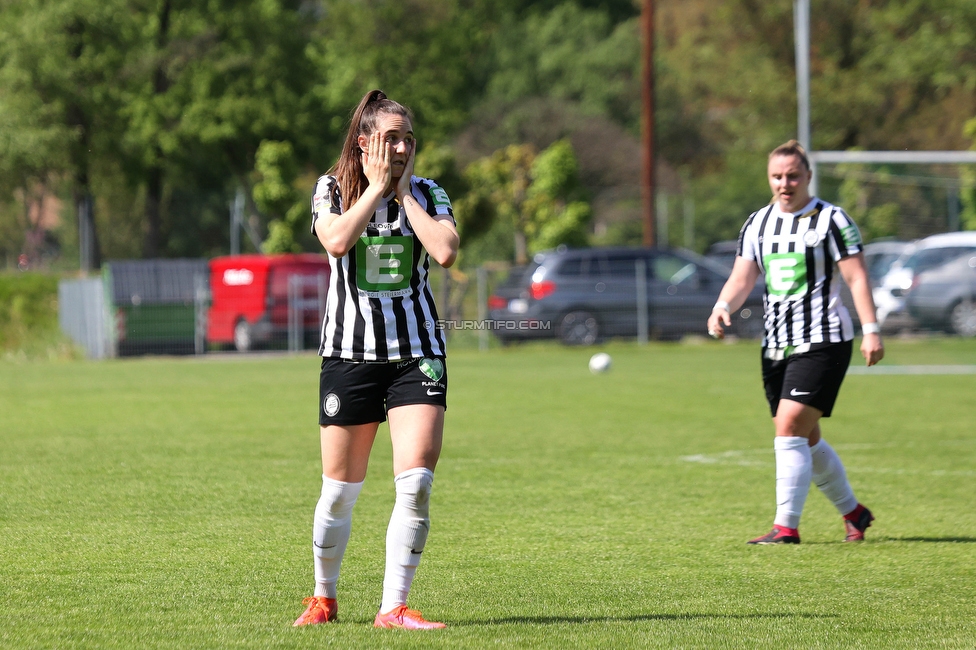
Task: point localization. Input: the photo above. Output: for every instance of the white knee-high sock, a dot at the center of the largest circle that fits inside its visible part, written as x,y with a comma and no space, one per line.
330,532
406,535
829,475
793,471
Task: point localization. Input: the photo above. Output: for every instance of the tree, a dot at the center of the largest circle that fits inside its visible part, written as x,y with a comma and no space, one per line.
59,69
558,214
535,197
277,196
213,83
968,176
425,54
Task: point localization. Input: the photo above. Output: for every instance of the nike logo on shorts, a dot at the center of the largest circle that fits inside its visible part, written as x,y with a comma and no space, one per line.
434,393
799,393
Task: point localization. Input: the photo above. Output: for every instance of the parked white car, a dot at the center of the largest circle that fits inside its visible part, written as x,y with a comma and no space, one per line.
878,257
924,254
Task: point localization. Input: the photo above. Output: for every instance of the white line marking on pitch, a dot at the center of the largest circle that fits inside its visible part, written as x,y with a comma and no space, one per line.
912,370
740,457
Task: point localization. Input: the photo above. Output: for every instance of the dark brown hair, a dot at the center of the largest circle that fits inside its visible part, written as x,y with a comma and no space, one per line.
792,148
348,170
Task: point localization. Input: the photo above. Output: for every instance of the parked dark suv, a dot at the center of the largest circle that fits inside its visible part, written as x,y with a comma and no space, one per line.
583,295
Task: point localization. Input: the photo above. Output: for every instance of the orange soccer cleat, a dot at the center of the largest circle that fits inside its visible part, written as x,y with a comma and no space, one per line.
779,535
405,619
320,610
856,522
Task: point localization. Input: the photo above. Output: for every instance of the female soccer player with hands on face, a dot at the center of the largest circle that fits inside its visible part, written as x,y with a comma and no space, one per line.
383,356
798,243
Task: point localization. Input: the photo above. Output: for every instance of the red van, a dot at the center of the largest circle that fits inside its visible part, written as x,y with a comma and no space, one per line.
256,299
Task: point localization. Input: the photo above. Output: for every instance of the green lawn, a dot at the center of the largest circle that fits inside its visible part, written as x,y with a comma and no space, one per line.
167,503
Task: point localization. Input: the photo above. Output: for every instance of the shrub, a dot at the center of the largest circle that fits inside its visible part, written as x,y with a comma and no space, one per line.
29,316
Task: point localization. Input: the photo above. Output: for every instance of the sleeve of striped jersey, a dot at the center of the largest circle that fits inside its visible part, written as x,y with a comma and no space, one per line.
325,198
435,196
845,238
748,240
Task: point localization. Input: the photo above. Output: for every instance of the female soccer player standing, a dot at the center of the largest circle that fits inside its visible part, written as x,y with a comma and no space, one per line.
382,354
797,243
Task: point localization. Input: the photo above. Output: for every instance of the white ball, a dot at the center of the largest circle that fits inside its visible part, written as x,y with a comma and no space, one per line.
600,362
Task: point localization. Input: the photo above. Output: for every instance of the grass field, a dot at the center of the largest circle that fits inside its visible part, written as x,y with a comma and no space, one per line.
167,503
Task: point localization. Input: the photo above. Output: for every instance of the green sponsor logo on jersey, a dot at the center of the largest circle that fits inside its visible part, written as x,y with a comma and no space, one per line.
383,264
786,274
851,235
433,368
440,197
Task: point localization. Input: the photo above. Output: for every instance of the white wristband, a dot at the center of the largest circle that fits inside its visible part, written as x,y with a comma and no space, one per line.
721,304
870,328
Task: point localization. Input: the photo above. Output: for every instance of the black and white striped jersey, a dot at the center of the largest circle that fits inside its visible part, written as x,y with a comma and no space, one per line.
380,306
798,255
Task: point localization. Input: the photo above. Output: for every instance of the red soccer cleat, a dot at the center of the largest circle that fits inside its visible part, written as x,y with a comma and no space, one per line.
320,610
778,535
856,522
405,619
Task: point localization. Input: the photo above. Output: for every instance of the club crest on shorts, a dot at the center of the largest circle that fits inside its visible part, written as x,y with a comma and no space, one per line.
811,238
331,404
433,368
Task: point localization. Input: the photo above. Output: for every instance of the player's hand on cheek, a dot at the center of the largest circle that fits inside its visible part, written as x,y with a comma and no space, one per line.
376,160
403,185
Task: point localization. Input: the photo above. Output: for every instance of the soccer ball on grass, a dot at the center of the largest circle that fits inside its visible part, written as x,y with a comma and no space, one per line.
600,362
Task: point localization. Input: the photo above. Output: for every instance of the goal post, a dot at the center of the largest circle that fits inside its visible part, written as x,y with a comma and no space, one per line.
888,157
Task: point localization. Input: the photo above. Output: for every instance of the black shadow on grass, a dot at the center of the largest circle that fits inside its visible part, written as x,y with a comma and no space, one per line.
944,540
555,620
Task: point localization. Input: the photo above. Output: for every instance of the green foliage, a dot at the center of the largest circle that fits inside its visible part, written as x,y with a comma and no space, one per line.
276,195
558,215
162,107
874,220
967,194
29,316
426,54
536,197
570,54
724,200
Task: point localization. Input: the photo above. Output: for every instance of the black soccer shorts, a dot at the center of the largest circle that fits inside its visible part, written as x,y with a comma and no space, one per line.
362,392
812,377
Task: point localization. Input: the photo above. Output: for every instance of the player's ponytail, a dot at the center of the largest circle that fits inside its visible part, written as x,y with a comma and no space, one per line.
348,170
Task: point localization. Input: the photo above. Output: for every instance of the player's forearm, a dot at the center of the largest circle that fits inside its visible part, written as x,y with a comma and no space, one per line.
863,300
339,233
439,238
739,285
734,295
856,276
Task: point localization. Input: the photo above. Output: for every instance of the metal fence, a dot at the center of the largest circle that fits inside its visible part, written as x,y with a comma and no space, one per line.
168,309
83,315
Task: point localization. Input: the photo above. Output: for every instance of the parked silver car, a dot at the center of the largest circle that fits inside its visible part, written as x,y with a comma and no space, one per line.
944,297
581,296
924,254
878,258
